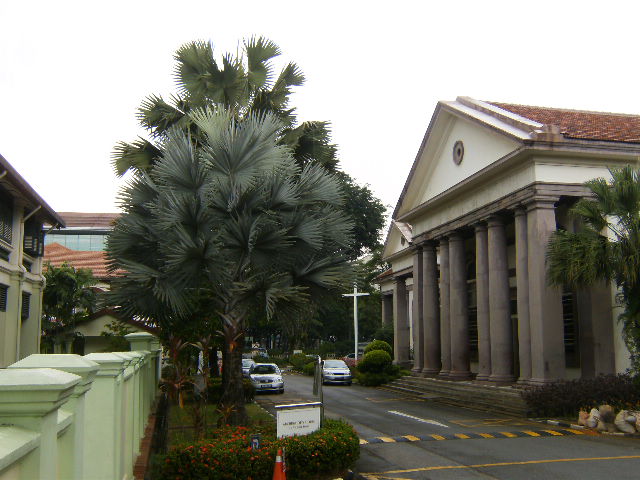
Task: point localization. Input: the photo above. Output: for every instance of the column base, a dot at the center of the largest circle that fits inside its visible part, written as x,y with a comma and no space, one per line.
523,381
501,378
430,372
460,375
443,374
542,381
416,369
482,377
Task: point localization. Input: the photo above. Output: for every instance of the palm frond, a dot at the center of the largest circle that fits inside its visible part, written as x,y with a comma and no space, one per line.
260,51
139,155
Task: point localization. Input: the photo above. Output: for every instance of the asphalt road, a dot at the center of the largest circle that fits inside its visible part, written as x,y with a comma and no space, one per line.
406,439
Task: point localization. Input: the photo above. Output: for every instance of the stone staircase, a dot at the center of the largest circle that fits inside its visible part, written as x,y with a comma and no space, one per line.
490,398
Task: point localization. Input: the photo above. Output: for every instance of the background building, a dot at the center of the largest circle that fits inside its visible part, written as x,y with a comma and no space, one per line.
22,215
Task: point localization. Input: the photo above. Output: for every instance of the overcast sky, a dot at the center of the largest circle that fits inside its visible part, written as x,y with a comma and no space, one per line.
72,74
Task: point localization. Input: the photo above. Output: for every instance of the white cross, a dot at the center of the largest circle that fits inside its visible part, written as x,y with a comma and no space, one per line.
355,296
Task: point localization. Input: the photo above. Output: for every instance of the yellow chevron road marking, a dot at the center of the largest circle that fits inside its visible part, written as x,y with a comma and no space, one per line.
363,441
509,434
387,439
411,438
461,435
576,432
486,435
437,437
554,432
530,433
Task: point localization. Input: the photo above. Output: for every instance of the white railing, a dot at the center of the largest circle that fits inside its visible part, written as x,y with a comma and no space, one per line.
72,417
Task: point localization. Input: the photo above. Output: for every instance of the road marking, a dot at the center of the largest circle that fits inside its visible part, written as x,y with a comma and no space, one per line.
472,436
501,464
472,423
418,419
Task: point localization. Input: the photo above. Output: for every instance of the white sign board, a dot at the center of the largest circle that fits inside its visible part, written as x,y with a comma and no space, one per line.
298,419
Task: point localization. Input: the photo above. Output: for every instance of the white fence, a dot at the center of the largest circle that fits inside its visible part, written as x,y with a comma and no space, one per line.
72,417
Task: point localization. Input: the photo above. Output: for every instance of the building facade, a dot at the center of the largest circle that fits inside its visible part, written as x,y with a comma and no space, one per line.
467,289
22,215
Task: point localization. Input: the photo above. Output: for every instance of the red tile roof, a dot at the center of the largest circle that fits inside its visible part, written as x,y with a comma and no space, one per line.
56,254
89,220
580,124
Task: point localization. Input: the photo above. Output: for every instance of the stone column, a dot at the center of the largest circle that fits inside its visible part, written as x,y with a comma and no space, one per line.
482,294
400,323
387,309
522,286
417,317
499,310
445,325
72,444
430,311
595,329
545,302
458,309
29,400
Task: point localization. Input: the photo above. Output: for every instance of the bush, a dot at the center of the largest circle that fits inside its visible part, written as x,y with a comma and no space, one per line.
227,456
373,379
374,362
298,361
309,369
379,345
567,397
214,390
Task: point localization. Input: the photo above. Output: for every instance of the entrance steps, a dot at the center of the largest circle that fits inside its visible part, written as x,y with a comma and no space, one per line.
490,398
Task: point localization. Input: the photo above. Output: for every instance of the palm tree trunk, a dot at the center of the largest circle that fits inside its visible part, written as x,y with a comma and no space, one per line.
232,401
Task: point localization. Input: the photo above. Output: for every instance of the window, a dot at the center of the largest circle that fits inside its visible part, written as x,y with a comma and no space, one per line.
26,304
3,297
6,216
33,238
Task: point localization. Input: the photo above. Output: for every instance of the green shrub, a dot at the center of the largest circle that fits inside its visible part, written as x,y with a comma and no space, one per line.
567,397
227,456
309,369
379,345
214,390
298,361
373,379
374,362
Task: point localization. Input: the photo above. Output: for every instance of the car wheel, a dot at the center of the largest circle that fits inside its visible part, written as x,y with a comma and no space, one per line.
349,384
281,390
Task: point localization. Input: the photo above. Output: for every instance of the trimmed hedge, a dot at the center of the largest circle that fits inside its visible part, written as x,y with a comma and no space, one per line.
379,345
214,390
567,397
374,362
298,361
228,455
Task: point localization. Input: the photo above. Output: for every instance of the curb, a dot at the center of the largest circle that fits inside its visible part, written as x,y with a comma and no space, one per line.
582,427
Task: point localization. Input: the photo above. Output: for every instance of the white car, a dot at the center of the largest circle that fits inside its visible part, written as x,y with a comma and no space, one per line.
335,371
247,363
266,377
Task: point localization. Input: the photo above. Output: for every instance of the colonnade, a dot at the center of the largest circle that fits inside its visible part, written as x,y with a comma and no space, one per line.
440,304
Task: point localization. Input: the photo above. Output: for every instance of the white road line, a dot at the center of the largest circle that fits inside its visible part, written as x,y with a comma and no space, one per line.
418,419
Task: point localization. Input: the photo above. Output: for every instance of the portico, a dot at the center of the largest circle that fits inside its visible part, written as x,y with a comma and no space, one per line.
488,188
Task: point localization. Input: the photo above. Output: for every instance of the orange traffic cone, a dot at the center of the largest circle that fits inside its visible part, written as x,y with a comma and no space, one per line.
278,468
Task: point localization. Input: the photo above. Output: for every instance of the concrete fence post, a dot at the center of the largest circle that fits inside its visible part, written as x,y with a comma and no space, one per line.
127,410
104,419
31,401
71,445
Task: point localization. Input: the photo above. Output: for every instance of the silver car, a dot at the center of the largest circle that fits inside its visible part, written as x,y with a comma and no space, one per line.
247,363
335,371
266,377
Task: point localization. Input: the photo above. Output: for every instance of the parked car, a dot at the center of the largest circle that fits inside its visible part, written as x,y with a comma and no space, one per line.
247,363
335,371
350,359
266,376
260,352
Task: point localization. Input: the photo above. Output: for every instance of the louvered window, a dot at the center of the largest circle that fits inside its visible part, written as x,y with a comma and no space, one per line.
26,305
6,216
33,238
3,297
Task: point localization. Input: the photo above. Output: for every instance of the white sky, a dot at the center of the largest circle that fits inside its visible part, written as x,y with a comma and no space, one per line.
72,74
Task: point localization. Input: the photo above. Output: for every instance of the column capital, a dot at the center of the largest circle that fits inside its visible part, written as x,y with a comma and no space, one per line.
541,203
480,226
455,236
519,210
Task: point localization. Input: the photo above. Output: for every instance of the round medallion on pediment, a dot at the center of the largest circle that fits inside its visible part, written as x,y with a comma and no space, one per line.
458,152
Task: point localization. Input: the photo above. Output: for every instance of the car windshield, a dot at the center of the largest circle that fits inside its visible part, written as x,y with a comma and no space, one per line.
335,364
265,369
247,363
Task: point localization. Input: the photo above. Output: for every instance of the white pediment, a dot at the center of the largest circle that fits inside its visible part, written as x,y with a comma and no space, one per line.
435,171
395,242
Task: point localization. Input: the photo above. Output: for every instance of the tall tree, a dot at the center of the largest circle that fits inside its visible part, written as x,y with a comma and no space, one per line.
67,299
245,84
607,248
233,216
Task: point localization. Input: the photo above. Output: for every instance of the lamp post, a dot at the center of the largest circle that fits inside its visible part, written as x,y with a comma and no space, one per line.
355,296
